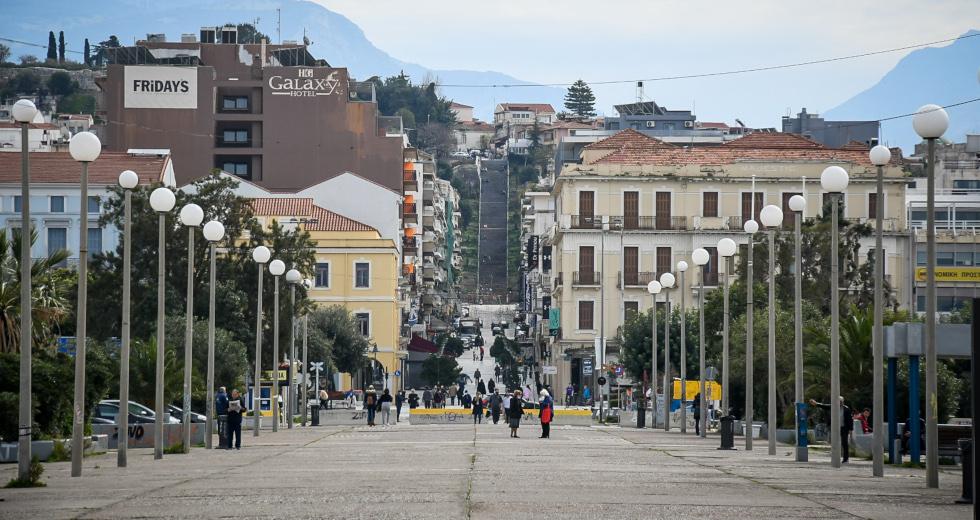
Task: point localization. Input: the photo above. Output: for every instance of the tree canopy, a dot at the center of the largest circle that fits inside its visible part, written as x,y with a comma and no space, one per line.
580,100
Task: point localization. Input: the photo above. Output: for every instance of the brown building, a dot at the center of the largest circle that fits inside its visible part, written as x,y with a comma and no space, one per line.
271,114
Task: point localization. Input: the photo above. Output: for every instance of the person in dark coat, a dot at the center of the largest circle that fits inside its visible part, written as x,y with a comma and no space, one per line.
546,412
846,425
481,388
399,401
370,404
467,399
413,400
491,386
236,410
697,414
476,375
427,397
496,404
478,409
514,413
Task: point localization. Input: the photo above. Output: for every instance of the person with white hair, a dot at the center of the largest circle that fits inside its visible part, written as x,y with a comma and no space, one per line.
546,412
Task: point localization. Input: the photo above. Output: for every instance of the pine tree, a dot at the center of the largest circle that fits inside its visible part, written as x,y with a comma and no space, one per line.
52,47
580,100
61,46
88,54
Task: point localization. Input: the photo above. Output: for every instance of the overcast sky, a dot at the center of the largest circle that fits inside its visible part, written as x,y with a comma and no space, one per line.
560,41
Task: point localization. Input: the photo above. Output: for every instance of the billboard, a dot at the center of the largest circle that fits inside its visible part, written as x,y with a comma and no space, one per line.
160,87
951,274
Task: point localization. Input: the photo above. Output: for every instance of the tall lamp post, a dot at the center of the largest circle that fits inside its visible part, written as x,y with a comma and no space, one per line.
307,284
24,112
682,267
797,203
293,278
726,249
701,257
213,231
276,269
834,181
654,289
771,217
84,147
127,180
666,282
191,216
930,122
751,227
162,200
260,255
880,156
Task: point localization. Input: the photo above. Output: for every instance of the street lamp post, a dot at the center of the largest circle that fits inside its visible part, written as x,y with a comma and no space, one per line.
292,278
127,180
276,269
771,217
880,156
260,255
682,267
213,232
24,112
162,200
726,248
797,203
84,147
654,289
666,282
931,122
701,258
750,227
191,216
307,284
834,181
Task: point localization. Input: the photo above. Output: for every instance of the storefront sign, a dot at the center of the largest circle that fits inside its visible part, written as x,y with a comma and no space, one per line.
160,87
304,83
950,274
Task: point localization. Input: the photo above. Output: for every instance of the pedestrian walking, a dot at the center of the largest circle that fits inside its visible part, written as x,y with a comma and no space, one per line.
481,354
569,394
587,396
427,397
467,399
481,388
385,403
546,412
846,425
282,413
697,414
370,404
477,375
236,409
496,372
514,413
474,354
478,409
399,401
452,394
496,404
413,400
491,386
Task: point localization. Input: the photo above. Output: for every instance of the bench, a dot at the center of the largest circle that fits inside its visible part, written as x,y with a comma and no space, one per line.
949,435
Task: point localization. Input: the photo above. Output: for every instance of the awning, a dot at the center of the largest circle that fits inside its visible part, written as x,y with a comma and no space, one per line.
419,344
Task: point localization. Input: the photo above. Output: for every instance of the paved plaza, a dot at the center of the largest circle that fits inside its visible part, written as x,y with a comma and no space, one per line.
449,472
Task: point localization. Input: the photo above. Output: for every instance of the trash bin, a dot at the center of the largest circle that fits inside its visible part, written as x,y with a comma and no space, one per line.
314,416
223,432
727,433
966,457
641,417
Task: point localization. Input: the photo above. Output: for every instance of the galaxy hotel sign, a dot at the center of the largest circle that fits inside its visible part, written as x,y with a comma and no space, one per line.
160,87
302,82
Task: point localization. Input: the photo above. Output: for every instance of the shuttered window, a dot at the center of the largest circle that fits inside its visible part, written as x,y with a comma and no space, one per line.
585,315
710,204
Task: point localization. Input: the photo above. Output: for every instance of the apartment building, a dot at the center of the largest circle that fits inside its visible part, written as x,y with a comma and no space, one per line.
662,201
512,121
537,233
831,133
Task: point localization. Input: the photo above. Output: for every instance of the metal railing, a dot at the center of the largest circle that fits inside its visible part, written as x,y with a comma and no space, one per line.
635,279
586,278
410,209
586,222
390,125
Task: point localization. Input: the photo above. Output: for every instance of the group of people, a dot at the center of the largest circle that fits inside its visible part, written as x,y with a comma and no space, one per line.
572,396
233,407
375,404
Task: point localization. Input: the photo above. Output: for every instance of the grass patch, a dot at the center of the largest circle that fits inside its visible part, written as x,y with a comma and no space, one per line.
916,465
59,453
33,477
176,449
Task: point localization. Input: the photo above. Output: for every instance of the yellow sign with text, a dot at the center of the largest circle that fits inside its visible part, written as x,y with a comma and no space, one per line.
694,387
951,274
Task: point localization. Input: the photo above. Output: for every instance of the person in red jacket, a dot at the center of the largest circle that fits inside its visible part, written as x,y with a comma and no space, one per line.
546,412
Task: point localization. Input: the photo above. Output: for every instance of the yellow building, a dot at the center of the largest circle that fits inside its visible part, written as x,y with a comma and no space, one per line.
356,268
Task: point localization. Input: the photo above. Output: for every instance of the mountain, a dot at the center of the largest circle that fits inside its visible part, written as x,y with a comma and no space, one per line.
335,38
939,75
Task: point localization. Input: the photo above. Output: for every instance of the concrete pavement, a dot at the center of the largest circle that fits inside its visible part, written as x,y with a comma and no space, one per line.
478,472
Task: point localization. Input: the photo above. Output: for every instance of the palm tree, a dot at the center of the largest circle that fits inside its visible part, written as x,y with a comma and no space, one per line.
49,293
856,359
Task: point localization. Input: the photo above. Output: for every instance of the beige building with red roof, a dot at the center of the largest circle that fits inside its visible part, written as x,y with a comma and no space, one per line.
663,201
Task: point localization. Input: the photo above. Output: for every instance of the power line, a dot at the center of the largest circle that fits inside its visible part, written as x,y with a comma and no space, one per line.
720,73
38,45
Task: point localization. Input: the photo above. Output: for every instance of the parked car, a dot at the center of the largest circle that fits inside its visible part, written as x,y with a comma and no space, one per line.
179,414
461,155
108,409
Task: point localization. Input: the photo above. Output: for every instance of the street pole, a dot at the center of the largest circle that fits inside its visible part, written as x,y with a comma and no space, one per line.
161,345
597,371
25,410
653,361
880,156
752,227
188,334
932,403
209,407
835,418
724,338
801,450
704,396
257,390
666,282
78,423
275,354
291,405
306,368
128,180
682,267
772,342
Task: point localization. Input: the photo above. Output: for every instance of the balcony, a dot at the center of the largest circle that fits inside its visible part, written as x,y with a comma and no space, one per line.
409,244
887,224
409,181
390,126
635,279
586,222
631,223
410,211
558,280
586,278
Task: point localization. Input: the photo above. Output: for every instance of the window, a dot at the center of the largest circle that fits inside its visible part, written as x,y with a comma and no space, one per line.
17,208
235,103
663,261
585,314
239,168
57,204
631,266
94,205
630,310
57,240
94,240
710,204
362,275
662,205
235,136
944,258
322,275
920,258
363,323
872,205
586,265
586,206
964,258
789,217
747,213
631,209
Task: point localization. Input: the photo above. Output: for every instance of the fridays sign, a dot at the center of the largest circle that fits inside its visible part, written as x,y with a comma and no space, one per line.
160,87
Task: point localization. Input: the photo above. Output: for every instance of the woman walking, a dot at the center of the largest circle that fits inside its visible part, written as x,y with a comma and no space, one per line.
370,404
514,413
546,413
478,409
385,403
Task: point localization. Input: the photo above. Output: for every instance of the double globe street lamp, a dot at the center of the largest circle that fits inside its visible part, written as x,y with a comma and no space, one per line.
162,200
191,216
771,217
261,256
213,232
701,257
666,283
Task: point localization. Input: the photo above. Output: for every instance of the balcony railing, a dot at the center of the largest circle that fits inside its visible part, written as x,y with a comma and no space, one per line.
410,209
711,279
408,176
586,278
887,224
220,142
559,280
635,279
586,222
409,243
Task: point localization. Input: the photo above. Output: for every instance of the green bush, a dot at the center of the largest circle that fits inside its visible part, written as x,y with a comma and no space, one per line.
77,104
59,453
33,479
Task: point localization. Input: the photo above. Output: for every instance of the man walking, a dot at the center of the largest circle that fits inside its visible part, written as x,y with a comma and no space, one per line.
569,394
846,425
476,375
452,394
496,403
236,409
399,401
427,397
221,410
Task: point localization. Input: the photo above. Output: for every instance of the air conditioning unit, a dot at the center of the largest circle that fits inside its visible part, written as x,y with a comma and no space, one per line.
651,124
688,124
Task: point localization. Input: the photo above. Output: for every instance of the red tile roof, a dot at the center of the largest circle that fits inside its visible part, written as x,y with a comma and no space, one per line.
709,125
642,150
320,219
35,126
476,126
59,167
568,124
528,107
855,145
454,104
630,138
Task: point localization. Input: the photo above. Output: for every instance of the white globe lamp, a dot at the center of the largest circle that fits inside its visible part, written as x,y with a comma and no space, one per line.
162,200
726,247
277,267
191,215
261,254
797,203
751,227
834,179
667,280
128,179
700,256
880,155
84,147
930,121
654,287
214,231
771,216
23,111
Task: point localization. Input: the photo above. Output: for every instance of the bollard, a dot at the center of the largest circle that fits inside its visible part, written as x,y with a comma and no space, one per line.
314,416
222,432
641,417
728,433
966,457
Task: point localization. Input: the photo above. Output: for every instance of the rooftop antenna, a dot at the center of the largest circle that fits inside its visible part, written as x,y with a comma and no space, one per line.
639,92
279,25
255,29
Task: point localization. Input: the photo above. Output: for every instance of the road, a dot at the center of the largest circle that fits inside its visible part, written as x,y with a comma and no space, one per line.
493,232
467,472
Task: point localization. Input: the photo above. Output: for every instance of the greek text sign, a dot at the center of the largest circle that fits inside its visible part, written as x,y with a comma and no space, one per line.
160,87
302,82
951,274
